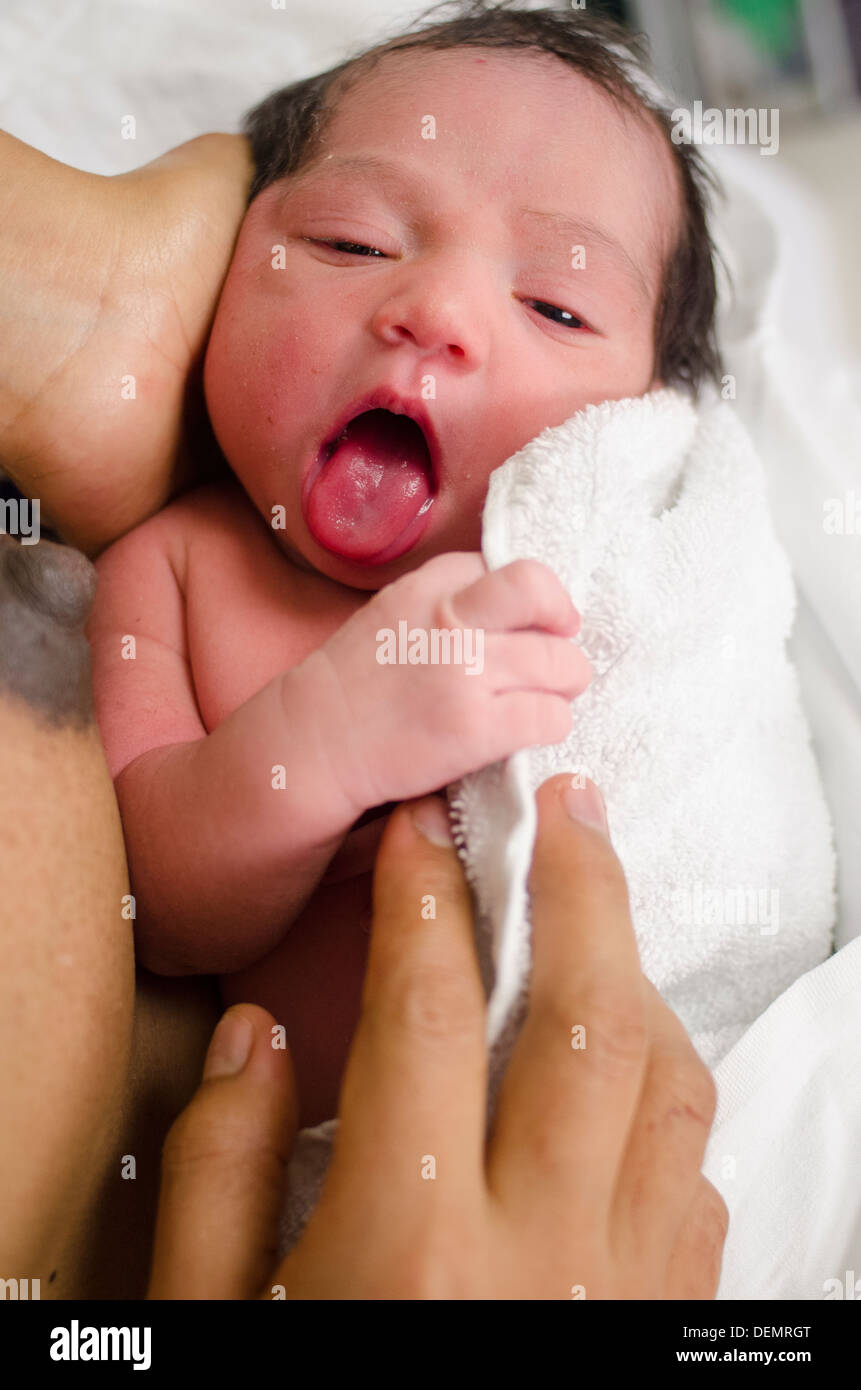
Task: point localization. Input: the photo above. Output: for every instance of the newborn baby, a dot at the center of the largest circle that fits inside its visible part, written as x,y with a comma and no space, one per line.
470,245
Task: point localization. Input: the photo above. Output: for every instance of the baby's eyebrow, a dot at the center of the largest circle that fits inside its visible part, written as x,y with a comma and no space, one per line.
391,171
582,231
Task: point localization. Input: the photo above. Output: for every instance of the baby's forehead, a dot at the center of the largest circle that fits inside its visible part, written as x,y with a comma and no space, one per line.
486,129
521,112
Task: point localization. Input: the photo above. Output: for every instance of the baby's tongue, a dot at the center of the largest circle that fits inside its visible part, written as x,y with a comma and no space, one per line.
372,488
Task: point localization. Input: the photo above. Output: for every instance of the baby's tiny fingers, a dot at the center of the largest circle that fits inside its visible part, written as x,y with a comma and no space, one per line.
527,719
524,594
536,661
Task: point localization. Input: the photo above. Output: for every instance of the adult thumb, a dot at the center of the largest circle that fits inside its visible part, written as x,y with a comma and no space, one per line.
223,1167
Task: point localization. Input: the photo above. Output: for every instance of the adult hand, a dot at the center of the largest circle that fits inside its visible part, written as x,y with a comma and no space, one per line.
590,1182
108,286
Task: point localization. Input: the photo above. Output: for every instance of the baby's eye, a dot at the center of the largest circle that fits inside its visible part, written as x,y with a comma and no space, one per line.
348,248
358,248
568,320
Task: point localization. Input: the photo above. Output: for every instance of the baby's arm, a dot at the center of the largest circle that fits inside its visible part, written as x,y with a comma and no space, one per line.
220,861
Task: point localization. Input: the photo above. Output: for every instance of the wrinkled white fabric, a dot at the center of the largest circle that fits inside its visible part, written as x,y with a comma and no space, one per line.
784,1149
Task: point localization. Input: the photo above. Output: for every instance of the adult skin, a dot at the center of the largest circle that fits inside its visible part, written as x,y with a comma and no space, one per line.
99,278
612,1134
590,1184
95,1068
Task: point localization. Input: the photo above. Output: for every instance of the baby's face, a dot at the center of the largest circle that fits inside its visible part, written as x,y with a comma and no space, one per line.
498,277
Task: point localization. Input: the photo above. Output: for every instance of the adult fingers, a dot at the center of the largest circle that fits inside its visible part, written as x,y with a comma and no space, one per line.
660,1172
413,1099
695,1262
571,1089
223,1167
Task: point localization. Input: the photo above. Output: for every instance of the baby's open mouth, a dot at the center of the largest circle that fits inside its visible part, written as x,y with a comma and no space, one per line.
372,488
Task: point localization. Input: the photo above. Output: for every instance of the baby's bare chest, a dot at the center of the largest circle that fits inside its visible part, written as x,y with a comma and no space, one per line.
251,614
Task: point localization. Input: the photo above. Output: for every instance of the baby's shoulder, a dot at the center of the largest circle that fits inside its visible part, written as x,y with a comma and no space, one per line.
216,519
221,511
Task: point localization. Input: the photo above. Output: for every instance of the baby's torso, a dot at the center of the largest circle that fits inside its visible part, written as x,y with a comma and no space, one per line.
250,614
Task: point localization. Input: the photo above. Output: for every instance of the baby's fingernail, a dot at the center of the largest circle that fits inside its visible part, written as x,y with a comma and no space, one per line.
430,818
584,802
230,1046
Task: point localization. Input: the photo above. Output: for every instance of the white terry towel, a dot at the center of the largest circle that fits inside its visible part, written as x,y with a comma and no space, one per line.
653,514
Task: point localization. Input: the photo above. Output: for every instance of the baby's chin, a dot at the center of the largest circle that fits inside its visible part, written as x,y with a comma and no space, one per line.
306,553
365,577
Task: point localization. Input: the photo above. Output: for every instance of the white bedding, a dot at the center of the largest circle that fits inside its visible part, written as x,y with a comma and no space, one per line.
785,1147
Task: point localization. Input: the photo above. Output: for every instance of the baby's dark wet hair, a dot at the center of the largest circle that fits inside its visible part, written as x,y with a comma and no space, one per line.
286,130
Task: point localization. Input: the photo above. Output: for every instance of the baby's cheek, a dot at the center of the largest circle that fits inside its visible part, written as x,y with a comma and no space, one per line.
234,378
227,407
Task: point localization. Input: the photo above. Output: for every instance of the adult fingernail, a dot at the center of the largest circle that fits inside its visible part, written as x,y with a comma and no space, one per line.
430,818
583,801
230,1046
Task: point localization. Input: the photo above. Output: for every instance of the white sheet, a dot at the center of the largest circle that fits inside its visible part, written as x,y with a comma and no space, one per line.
786,1144
789,1113
70,70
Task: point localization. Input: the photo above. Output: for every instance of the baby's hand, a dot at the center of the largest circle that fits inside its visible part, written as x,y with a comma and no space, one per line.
397,728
